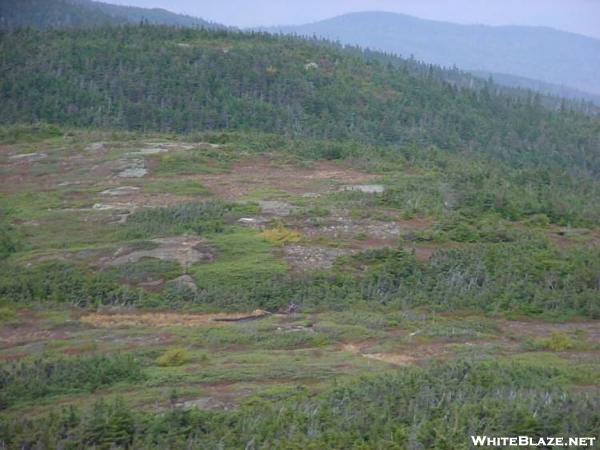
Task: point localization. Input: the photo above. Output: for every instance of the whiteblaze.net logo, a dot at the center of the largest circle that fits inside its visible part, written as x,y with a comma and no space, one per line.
527,441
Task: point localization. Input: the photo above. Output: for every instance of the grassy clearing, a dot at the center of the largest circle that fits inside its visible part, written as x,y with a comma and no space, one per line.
194,162
243,257
374,313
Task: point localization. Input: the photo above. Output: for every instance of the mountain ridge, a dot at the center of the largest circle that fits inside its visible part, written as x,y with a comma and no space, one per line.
539,53
44,14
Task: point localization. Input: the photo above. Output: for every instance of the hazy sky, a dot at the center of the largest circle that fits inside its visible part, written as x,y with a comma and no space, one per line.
579,16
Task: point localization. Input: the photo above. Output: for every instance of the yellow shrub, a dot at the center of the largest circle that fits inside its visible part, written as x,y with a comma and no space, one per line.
173,357
281,236
558,342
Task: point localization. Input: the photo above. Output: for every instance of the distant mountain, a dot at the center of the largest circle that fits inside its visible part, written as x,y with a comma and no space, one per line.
45,14
537,53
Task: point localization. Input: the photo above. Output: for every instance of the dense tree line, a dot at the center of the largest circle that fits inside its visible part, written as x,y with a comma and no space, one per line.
182,80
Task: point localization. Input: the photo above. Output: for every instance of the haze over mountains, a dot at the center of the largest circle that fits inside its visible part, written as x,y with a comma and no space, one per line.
84,13
537,53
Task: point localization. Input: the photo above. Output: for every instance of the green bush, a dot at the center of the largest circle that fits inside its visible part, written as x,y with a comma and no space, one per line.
463,232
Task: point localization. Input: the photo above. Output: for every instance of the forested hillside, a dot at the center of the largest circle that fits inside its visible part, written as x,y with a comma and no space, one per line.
181,80
44,14
539,53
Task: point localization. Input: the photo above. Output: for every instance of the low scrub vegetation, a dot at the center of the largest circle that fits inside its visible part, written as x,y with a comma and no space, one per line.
529,277
281,235
557,342
198,218
416,405
23,381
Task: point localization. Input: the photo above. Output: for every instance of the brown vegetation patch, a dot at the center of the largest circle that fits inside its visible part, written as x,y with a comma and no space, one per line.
343,227
570,237
14,357
255,174
58,169
21,332
424,253
391,358
590,331
27,333
167,319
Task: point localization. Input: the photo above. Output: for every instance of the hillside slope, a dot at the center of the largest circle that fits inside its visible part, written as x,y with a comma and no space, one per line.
548,89
533,52
166,79
231,240
45,14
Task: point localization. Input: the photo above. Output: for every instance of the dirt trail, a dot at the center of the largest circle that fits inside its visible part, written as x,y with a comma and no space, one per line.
168,319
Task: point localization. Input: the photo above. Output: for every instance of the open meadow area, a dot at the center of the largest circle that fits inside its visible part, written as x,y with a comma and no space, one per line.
151,277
